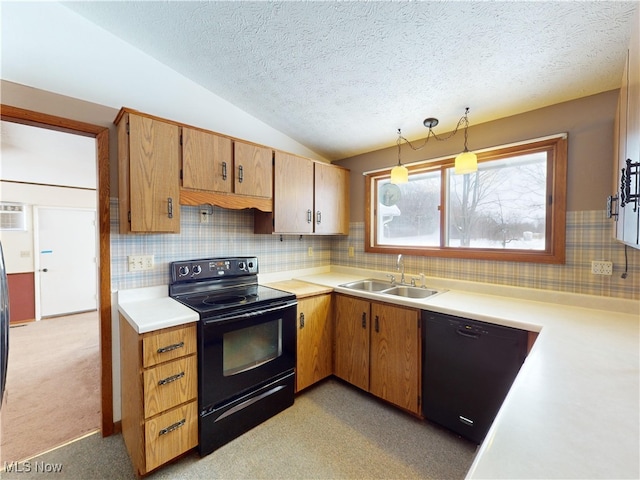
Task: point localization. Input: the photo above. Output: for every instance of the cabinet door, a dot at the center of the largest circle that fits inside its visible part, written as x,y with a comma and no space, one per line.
253,170
331,199
632,210
293,199
620,152
154,175
395,355
314,360
351,332
206,161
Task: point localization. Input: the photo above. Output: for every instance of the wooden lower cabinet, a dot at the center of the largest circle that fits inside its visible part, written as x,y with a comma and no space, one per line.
377,348
314,340
351,340
159,381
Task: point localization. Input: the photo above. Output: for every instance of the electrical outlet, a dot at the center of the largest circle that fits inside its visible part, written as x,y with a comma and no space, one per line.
310,251
204,216
352,252
140,262
601,267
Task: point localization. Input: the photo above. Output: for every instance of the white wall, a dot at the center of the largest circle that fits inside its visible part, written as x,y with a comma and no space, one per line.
47,46
18,246
36,165
38,155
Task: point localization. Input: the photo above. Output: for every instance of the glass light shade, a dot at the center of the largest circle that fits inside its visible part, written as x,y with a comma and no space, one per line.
466,162
399,174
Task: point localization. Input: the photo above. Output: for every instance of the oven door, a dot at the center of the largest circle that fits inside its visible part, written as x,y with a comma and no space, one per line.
242,351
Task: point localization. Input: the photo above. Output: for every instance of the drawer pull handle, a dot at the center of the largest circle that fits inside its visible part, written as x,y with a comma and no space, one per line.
224,170
171,379
173,427
301,320
168,348
170,207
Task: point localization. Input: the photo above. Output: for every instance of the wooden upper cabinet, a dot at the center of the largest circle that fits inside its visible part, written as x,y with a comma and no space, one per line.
309,197
207,161
331,196
253,170
293,199
149,174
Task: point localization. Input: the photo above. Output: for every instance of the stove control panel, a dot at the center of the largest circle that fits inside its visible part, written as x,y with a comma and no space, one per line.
209,268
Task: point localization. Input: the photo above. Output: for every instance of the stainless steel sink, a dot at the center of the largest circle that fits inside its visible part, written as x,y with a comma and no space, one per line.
410,292
369,285
386,288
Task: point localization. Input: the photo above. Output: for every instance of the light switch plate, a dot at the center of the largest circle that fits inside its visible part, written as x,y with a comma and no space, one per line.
138,263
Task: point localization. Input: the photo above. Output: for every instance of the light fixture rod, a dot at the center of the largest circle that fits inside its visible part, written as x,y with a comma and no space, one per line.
431,122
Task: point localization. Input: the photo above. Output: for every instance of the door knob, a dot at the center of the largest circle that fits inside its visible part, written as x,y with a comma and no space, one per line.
44,270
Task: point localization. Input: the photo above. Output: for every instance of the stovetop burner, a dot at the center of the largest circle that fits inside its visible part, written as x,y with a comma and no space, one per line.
235,299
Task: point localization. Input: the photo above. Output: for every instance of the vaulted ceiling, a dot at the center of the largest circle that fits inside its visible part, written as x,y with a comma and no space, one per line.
342,77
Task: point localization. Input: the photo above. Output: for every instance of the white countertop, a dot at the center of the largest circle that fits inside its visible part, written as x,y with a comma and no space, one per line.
149,309
573,410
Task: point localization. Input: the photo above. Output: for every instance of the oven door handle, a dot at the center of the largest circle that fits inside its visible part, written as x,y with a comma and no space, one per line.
251,313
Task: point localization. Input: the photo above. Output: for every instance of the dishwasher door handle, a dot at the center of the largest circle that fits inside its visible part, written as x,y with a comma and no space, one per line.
467,334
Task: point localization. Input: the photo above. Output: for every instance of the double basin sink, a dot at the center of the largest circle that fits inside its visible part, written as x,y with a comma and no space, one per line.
378,286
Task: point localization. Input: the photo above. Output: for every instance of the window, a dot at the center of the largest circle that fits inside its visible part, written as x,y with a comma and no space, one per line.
511,209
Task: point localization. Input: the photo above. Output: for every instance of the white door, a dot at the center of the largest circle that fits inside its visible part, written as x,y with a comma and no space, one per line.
67,268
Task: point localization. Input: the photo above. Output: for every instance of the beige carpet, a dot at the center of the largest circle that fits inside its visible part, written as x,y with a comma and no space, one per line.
53,385
333,431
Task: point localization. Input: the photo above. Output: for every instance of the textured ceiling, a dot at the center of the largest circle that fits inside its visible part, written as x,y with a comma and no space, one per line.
342,77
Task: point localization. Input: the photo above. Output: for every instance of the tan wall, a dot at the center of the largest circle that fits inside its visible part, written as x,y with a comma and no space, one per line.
588,121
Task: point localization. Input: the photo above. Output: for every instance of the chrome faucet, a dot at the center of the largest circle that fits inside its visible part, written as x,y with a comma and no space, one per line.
400,267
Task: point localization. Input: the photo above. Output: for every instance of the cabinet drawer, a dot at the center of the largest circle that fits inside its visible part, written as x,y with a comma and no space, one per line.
168,344
170,435
169,384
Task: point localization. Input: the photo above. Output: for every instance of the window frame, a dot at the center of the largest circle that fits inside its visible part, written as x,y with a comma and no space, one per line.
556,194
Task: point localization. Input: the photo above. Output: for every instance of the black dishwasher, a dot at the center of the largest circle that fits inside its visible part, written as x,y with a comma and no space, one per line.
468,368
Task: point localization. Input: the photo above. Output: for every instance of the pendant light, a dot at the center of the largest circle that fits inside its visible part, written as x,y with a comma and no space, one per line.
399,173
465,162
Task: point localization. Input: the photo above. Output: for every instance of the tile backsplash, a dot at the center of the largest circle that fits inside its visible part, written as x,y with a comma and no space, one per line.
227,233
230,233
589,237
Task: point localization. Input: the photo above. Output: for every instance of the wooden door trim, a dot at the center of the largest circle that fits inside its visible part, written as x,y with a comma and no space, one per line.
101,134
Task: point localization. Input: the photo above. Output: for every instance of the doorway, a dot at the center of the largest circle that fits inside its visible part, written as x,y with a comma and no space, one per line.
101,135
52,364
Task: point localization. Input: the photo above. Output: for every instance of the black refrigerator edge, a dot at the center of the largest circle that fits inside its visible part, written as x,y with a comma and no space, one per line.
4,326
